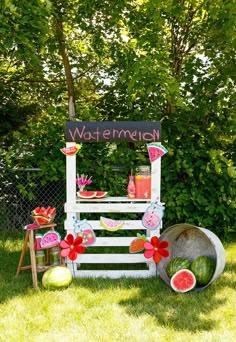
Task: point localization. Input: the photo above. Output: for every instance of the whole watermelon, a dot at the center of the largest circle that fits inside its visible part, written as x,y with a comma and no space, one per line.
177,264
56,278
203,268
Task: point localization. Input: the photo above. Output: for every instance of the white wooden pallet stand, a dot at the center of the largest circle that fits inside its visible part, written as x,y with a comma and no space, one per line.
120,205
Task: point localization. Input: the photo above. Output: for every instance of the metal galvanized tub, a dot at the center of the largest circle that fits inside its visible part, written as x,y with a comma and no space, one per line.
188,241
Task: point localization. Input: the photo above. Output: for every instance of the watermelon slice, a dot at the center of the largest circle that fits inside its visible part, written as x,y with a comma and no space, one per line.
156,151
92,194
183,281
109,224
100,194
41,220
43,215
87,194
70,151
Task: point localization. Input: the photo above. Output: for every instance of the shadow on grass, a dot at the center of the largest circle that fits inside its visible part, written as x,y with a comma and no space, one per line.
184,312
10,285
151,297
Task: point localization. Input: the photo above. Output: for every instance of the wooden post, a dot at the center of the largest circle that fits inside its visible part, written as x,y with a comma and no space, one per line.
24,248
33,260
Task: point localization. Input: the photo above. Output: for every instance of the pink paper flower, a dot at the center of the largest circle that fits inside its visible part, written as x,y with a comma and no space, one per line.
71,247
155,249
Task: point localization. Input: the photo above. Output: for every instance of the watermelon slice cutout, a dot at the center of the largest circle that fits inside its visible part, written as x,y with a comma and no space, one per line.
50,239
155,151
110,224
71,151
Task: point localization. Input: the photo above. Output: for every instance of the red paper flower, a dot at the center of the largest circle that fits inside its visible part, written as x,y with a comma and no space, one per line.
156,249
71,247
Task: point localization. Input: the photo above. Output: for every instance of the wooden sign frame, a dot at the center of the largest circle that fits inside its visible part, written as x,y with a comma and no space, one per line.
109,131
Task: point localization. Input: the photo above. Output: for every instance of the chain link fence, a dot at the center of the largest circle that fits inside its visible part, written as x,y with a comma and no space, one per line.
21,191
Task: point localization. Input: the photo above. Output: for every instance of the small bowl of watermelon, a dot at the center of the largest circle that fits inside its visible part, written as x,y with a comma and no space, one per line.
43,216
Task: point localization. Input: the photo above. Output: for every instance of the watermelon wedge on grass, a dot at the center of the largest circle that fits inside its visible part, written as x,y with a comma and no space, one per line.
183,281
156,150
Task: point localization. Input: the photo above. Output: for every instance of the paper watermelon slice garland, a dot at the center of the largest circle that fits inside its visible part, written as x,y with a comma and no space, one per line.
155,151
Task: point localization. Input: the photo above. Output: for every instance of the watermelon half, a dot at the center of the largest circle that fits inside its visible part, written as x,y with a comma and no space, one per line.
156,151
183,281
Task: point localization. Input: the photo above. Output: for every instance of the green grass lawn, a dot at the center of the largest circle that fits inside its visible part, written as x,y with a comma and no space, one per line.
120,310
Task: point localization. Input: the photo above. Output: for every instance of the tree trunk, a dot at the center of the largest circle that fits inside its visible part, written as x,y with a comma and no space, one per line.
67,68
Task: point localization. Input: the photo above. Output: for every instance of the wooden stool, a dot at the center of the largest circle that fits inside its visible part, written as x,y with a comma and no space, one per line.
29,237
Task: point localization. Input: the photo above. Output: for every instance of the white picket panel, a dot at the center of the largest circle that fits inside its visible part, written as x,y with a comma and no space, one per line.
115,274
113,241
105,207
111,258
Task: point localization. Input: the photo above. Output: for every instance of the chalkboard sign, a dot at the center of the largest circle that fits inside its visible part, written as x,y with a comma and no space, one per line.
106,131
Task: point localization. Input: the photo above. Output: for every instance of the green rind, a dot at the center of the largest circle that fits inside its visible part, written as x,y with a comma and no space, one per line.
177,264
56,278
203,268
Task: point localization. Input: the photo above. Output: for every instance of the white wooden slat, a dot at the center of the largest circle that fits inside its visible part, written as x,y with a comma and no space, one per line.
70,180
113,241
112,258
114,274
112,199
127,225
156,179
105,207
